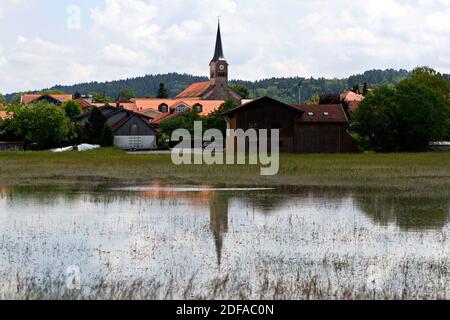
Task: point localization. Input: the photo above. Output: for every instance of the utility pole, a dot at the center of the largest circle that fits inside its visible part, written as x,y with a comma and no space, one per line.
300,92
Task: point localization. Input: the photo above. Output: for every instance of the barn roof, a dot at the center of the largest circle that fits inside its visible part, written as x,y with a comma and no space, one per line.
30,98
322,113
256,101
308,113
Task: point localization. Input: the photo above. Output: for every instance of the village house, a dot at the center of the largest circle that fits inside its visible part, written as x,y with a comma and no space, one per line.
351,99
56,99
303,128
132,130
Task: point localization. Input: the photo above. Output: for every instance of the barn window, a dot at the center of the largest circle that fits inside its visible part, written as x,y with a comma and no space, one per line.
310,114
253,125
277,125
326,114
164,108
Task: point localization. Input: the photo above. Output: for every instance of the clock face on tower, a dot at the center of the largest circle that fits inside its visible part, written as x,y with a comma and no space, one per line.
221,67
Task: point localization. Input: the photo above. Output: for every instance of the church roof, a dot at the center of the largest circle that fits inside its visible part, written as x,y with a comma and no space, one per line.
218,52
195,90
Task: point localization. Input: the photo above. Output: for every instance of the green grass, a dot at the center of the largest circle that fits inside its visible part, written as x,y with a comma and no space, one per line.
424,173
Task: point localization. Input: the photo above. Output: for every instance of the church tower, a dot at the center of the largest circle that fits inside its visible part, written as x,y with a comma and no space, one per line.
219,65
217,87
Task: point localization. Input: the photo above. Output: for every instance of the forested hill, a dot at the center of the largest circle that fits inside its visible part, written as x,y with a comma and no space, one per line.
285,89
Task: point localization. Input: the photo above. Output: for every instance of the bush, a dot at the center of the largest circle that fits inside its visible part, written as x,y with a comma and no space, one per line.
41,125
72,108
402,118
93,130
107,139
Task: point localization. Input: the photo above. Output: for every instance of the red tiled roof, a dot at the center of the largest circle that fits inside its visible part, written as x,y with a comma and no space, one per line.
84,104
352,99
164,117
29,98
322,113
142,105
195,90
6,115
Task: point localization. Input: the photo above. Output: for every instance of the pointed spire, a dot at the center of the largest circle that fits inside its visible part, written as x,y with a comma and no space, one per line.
218,52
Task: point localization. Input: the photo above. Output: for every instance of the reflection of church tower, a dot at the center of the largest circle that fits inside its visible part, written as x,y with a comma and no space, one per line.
218,221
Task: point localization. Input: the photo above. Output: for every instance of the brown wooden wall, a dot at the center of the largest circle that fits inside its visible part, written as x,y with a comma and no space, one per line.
300,137
323,138
265,115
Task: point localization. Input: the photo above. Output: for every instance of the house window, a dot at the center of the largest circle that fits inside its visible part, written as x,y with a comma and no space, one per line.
181,108
164,108
253,125
326,114
198,108
310,114
277,125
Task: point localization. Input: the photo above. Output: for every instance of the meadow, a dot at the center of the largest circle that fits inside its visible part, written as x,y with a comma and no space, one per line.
426,174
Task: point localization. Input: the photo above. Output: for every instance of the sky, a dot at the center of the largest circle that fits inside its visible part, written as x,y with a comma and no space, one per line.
48,42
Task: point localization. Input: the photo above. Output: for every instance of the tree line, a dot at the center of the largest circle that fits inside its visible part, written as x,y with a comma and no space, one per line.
290,90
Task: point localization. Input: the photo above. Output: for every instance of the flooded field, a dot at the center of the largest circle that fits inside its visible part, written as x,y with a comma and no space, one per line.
165,242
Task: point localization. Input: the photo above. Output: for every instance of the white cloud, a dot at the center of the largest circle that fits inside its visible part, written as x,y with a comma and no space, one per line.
118,54
262,38
6,5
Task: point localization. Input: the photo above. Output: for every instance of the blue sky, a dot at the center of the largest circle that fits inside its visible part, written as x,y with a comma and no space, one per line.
262,38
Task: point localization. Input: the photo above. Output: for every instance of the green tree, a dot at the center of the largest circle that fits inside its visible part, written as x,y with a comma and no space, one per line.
432,79
51,91
16,98
422,116
162,91
41,125
2,99
241,90
315,99
183,121
94,126
107,139
77,95
100,98
365,89
72,108
402,118
126,94
374,119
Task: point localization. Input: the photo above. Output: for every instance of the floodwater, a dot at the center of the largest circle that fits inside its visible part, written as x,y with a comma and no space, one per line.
171,242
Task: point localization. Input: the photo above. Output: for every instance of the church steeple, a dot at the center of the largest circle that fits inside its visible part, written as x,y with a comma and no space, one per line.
218,65
218,52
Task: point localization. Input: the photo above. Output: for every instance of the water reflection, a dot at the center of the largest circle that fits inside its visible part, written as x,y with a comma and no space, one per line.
410,214
319,207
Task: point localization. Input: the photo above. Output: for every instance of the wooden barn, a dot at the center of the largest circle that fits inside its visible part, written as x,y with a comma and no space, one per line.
303,128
